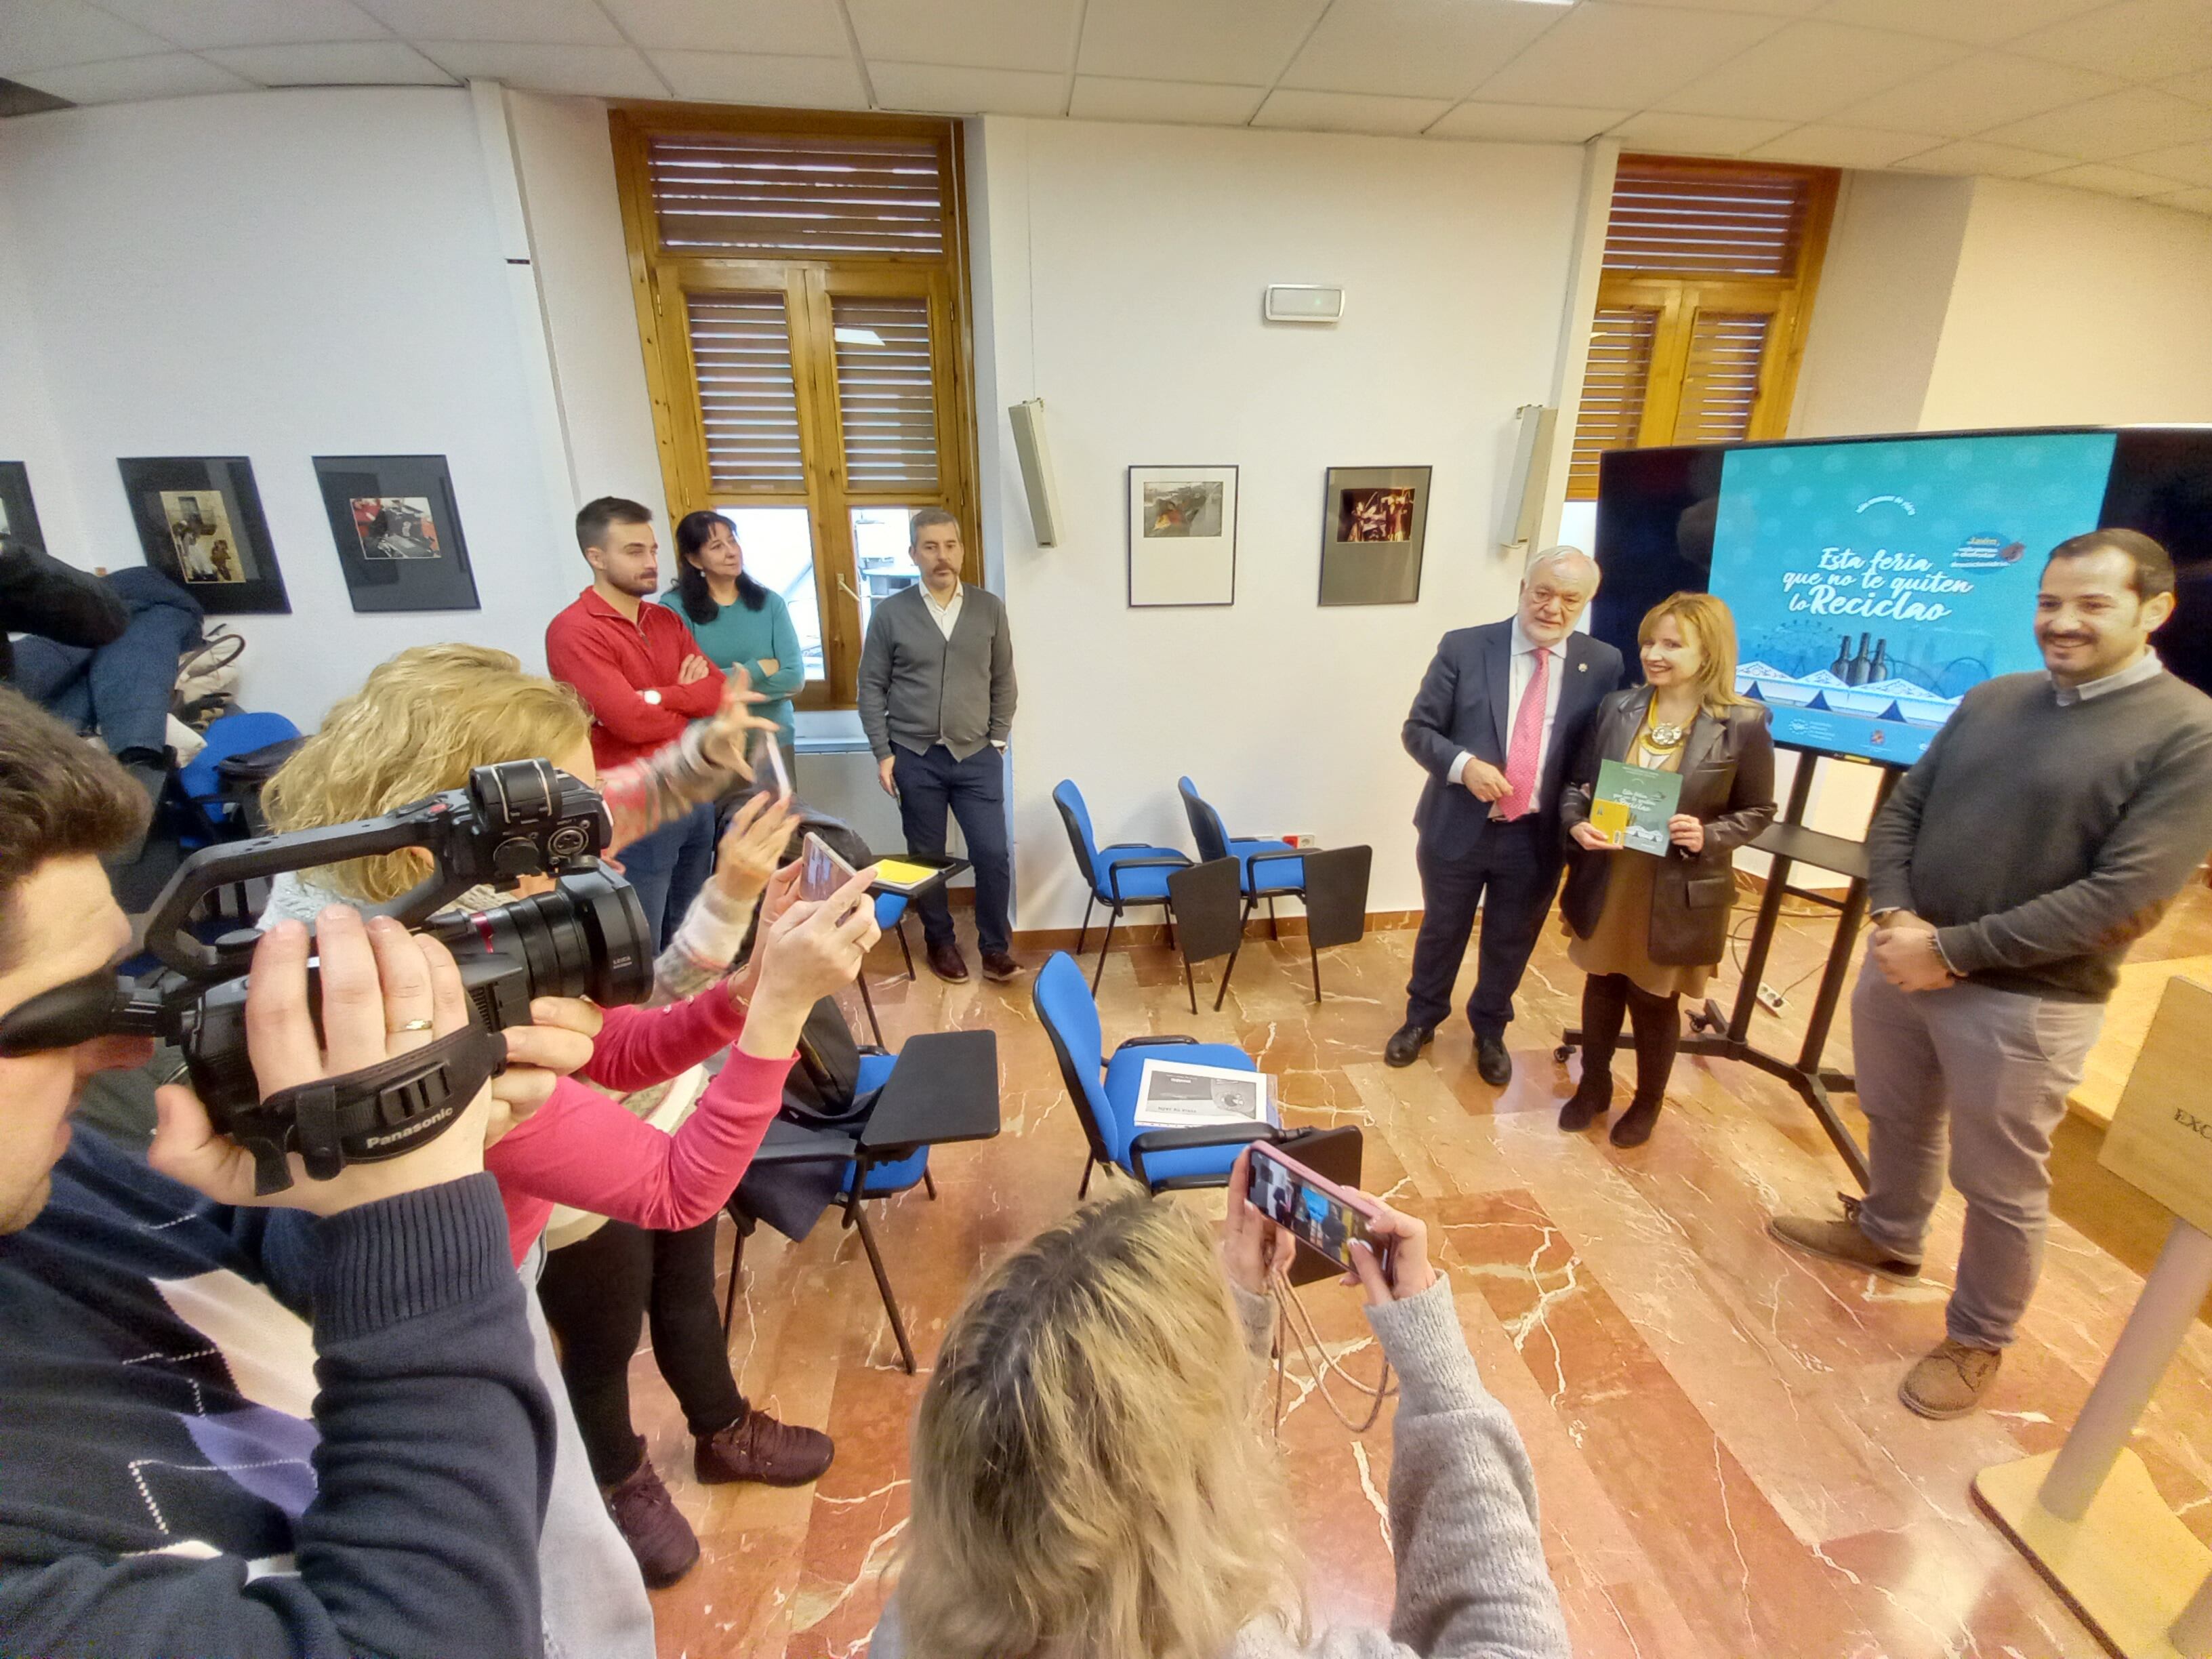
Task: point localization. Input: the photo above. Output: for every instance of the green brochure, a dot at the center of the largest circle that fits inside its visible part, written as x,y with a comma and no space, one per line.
1632,805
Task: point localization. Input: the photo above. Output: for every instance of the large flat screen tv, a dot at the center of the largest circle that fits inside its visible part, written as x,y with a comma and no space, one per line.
1875,581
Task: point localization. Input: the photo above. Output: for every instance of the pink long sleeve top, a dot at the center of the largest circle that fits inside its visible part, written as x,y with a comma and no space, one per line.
582,1149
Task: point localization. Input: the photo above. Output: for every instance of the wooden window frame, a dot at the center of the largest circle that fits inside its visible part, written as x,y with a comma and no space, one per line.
1679,297
660,281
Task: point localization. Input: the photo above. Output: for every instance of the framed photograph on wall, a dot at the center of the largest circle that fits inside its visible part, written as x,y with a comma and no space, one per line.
397,532
18,517
199,520
1182,535
1374,524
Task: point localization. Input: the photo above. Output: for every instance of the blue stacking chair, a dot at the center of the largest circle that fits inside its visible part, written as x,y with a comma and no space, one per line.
1266,869
890,917
1126,874
216,812
1105,1090
1332,886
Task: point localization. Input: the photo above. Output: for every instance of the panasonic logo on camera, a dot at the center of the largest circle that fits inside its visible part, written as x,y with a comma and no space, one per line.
412,1130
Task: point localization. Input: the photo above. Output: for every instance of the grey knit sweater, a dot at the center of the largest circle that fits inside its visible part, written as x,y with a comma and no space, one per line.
1470,1577
918,688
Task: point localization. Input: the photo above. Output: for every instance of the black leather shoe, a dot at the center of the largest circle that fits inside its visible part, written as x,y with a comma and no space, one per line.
1406,1044
1491,1063
947,963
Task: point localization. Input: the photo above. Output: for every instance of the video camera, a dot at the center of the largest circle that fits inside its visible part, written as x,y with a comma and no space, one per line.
587,937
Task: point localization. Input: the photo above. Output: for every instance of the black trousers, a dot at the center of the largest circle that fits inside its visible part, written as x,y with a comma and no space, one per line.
596,1293
1512,873
974,792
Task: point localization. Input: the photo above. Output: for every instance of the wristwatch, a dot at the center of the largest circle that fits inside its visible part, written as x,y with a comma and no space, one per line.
653,698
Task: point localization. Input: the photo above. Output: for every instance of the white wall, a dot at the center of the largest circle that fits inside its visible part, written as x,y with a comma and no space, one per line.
1124,267
278,276
2074,308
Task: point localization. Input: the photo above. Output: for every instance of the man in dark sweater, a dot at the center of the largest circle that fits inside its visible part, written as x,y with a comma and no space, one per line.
167,1484
937,701
2048,826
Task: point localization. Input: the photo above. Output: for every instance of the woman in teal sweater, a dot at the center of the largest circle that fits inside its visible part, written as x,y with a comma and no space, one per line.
738,622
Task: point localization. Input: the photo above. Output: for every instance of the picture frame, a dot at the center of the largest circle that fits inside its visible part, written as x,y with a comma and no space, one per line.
19,515
397,531
1182,535
200,523
1374,531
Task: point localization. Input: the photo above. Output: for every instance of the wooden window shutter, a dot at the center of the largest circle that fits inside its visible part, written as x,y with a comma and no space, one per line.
796,195
748,404
886,394
1687,220
1720,381
1612,390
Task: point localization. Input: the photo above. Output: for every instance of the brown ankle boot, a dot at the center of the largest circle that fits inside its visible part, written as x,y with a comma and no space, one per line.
648,1518
758,1448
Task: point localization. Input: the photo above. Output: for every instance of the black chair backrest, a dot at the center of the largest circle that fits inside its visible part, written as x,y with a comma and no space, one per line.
1071,1072
1075,818
1336,895
1209,910
1206,826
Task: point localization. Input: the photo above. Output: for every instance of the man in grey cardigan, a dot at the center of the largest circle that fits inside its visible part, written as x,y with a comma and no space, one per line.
937,701
2048,826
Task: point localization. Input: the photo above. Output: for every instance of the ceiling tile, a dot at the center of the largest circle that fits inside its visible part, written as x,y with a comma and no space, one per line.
589,71
1604,53
341,64
1696,134
1978,22
1825,146
1226,42
2191,163
2112,180
1416,48
165,74
528,23
1977,93
1348,112
1006,34
1809,70
46,34
1525,124
799,28
2190,201
2196,87
948,91
2141,40
1973,155
1106,98
737,77
197,24
2117,124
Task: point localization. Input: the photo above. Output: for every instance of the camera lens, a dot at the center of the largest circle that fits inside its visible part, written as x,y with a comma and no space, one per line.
587,937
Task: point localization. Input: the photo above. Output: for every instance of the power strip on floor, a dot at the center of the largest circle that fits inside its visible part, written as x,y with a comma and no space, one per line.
1772,998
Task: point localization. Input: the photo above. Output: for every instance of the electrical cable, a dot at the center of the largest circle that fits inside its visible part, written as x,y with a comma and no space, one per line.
1292,1317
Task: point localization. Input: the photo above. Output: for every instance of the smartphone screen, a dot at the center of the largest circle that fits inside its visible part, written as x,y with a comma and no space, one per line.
821,872
1313,1217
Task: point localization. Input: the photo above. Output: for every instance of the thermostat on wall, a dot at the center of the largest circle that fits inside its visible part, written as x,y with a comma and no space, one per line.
1297,303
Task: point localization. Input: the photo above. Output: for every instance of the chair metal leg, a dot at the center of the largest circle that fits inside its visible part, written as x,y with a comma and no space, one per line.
1274,928
929,1185
868,1002
1105,945
1084,1191
1316,955
858,1214
1190,985
1171,933
1228,968
1090,901
905,949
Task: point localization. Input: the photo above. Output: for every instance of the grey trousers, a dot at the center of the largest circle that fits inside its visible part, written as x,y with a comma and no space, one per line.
593,1597
1998,1065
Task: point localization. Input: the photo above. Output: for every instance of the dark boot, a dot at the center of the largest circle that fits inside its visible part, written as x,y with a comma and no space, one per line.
758,1448
1605,1001
1658,1022
646,1517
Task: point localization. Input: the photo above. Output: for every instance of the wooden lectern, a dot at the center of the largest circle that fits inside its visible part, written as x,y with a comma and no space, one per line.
2086,1515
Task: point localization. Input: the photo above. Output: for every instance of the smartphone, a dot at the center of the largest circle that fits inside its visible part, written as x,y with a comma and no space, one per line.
1317,1211
821,872
769,769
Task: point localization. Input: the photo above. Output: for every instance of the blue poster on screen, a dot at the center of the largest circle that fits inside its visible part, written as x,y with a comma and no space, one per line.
1874,584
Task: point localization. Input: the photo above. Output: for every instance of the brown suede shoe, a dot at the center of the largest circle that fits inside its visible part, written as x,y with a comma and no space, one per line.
1950,1382
947,963
646,1517
758,1448
998,965
1842,1240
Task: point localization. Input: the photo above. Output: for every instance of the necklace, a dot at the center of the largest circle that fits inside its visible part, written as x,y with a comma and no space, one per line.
1663,735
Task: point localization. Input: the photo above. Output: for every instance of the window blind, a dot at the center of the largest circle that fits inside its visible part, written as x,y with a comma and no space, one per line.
748,405
1745,221
796,195
1619,371
1720,382
886,393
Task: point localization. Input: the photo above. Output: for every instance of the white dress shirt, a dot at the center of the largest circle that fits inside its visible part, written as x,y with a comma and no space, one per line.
945,615
1520,671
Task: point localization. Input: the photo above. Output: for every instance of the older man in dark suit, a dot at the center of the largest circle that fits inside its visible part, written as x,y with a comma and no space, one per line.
1499,716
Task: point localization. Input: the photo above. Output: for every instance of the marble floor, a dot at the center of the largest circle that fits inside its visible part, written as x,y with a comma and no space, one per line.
1724,1468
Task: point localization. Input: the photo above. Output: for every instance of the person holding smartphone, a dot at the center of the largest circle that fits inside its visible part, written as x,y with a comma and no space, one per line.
1085,1485
1649,930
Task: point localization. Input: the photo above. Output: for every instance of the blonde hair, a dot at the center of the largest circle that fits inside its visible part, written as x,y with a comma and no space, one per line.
1711,629
1087,1470
420,724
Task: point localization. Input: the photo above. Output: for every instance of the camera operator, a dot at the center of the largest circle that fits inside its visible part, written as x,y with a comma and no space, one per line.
167,1482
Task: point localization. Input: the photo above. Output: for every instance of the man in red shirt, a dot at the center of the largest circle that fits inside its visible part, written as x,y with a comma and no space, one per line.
646,679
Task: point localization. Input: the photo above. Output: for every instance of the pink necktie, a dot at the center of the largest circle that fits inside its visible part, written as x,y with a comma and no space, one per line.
1528,742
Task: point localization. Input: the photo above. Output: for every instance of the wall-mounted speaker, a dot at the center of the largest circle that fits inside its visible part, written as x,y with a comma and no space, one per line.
1521,504
1036,458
